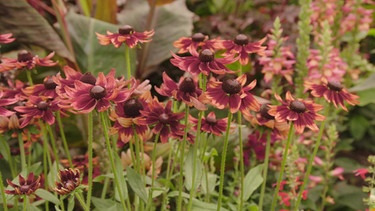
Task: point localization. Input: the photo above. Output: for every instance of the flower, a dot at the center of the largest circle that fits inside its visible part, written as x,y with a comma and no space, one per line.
26,60
127,35
6,38
211,124
126,160
361,172
166,123
26,186
46,89
241,46
81,162
186,44
301,112
232,93
185,90
38,107
69,181
333,92
86,97
203,62
6,102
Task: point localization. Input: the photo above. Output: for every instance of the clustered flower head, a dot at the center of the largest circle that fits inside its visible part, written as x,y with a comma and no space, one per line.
126,34
25,186
69,180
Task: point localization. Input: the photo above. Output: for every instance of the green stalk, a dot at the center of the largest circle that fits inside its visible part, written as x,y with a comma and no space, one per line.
168,176
90,139
85,7
127,60
53,143
265,170
309,165
47,163
65,143
223,158
182,153
29,78
242,165
111,159
25,203
81,201
3,193
283,163
153,170
22,151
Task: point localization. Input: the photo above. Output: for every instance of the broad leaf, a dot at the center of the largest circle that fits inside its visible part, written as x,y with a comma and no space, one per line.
29,27
136,183
48,196
172,21
366,90
252,181
105,204
189,168
121,179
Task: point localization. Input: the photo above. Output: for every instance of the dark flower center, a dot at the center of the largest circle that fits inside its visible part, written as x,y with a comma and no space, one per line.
198,37
98,92
69,185
49,84
88,78
24,56
211,120
241,39
231,86
42,106
264,112
164,118
297,106
335,85
206,55
187,85
126,29
24,188
132,108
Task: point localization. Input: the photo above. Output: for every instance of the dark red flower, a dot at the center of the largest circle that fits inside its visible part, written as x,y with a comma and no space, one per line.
243,48
26,186
232,93
6,38
334,92
196,41
211,124
185,90
302,112
165,122
127,35
69,181
38,108
47,89
81,162
26,60
203,62
86,97
5,102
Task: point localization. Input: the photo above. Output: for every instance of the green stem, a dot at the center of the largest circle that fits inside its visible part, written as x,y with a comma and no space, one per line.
81,201
105,188
168,176
223,158
65,143
283,163
309,165
323,197
127,60
54,148
242,165
29,78
22,151
153,170
182,153
25,202
265,170
90,139
111,159
3,193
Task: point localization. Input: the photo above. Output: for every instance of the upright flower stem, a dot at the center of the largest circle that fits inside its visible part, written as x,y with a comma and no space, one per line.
168,176
309,165
65,143
242,165
283,162
3,197
223,158
90,139
53,143
22,151
265,170
25,202
111,159
182,155
153,167
81,201
127,60
29,78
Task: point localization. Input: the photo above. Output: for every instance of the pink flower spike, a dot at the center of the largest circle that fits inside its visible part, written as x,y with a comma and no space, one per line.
361,172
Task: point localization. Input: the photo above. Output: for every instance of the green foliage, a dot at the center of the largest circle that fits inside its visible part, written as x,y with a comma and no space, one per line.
253,180
137,184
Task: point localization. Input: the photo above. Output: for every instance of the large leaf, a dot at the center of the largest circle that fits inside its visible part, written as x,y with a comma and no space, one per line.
48,196
91,56
189,168
172,21
252,181
366,90
136,183
29,27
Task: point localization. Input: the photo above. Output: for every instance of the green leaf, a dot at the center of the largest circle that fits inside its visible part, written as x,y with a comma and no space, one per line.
47,196
29,27
52,175
120,172
71,203
365,90
136,183
105,204
4,148
252,181
188,168
358,126
172,21
208,186
197,205
91,56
